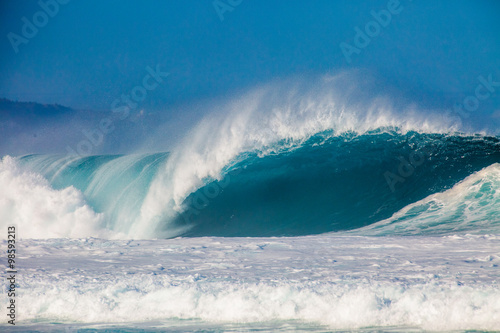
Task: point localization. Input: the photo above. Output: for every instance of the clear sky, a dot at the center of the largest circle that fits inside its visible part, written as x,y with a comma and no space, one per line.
92,51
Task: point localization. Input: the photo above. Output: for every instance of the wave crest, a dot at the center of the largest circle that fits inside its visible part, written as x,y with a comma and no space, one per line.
288,113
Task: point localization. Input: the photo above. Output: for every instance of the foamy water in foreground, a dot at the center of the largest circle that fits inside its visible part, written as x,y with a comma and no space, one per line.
394,212
302,283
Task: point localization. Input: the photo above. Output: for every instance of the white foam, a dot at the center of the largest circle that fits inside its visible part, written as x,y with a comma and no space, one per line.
344,282
28,201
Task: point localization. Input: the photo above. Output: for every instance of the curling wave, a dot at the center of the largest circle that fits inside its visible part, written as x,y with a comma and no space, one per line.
289,160
328,183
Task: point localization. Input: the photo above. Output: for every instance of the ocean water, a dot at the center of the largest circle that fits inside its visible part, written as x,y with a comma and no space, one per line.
293,222
324,184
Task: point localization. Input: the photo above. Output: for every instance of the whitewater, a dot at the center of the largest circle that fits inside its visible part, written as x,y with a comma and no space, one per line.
291,207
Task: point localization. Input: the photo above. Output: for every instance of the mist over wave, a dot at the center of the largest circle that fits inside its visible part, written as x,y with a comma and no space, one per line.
288,158
273,118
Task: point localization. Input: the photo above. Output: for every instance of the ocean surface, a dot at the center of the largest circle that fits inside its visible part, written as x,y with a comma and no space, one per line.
387,228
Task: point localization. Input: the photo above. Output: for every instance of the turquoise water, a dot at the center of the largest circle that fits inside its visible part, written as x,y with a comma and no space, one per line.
327,183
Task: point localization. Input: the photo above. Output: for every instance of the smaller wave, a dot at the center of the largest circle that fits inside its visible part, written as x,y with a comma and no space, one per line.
471,206
28,201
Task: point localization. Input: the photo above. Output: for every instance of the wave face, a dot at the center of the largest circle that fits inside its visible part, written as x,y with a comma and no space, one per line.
380,182
347,182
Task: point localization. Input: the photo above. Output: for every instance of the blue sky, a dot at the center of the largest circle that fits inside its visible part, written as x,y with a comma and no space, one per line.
91,52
